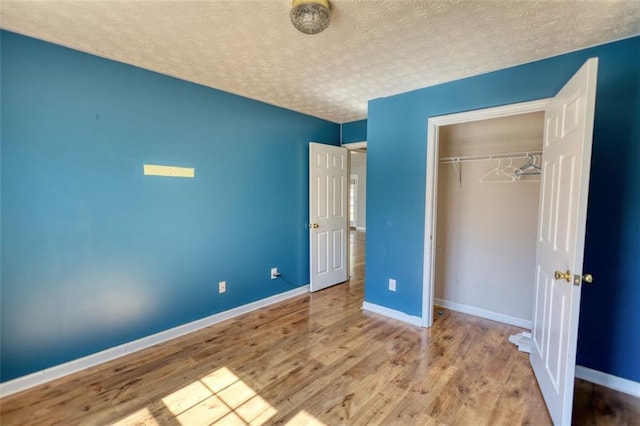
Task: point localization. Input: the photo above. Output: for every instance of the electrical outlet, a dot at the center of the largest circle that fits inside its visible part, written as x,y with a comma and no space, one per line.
274,273
392,284
222,286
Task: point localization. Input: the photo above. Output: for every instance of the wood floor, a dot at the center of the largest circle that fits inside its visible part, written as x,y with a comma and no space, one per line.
317,359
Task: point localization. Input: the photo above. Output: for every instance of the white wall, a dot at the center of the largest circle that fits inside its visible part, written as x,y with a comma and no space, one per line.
359,167
485,241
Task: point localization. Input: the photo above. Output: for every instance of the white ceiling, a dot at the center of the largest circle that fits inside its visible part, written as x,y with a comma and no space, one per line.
371,49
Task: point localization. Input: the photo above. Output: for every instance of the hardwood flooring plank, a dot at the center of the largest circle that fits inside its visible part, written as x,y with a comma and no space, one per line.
317,359
598,406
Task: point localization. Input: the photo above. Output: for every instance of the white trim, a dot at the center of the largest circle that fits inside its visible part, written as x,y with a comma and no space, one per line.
430,220
608,381
355,145
52,373
361,228
483,313
392,313
353,178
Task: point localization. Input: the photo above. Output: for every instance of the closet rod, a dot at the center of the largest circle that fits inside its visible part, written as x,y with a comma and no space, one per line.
465,158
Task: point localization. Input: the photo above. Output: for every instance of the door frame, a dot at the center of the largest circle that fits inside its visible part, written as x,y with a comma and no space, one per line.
353,146
353,208
360,147
431,198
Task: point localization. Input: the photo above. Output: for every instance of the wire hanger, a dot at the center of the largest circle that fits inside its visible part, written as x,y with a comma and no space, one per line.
499,173
531,168
458,168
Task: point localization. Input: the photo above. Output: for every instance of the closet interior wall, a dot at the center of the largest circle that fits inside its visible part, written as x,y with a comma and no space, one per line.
486,232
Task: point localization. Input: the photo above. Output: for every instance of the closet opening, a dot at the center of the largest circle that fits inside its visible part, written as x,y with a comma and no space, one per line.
483,194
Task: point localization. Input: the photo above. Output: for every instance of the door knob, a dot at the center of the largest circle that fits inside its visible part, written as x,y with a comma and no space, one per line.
315,225
563,275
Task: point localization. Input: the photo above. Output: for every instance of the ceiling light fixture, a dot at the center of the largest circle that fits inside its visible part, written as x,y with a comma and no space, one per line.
310,16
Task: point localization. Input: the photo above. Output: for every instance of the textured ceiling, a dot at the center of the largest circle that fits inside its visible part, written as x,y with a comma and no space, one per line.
371,49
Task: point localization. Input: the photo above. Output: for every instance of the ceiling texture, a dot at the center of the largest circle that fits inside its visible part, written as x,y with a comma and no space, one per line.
372,48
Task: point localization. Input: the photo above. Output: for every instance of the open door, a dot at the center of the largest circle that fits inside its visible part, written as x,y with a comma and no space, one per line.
560,244
328,214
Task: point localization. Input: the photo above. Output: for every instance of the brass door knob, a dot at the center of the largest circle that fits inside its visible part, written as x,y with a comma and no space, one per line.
563,275
315,225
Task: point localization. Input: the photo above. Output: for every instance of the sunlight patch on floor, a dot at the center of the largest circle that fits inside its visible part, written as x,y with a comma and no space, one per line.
218,398
187,397
141,417
304,418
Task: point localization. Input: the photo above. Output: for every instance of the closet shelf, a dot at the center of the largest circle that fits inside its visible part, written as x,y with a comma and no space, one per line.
483,157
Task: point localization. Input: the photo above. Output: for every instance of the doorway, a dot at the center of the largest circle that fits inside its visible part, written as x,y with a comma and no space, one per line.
328,215
357,204
358,185
471,124
336,203
487,207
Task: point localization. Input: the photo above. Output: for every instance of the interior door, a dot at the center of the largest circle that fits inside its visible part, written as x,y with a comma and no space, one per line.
328,214
560,244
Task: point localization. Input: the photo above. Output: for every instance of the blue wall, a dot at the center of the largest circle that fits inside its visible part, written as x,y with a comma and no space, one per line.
94,254
355,131
609,336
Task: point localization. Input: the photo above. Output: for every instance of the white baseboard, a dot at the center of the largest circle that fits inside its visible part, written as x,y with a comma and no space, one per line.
392,313
483,313
608,380
52,373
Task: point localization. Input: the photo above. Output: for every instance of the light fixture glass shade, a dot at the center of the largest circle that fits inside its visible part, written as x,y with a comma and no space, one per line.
310,16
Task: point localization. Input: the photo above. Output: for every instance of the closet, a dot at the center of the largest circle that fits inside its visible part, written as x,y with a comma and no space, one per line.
487,216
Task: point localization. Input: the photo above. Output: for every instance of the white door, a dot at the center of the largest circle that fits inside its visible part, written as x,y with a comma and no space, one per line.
560,245
328,214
